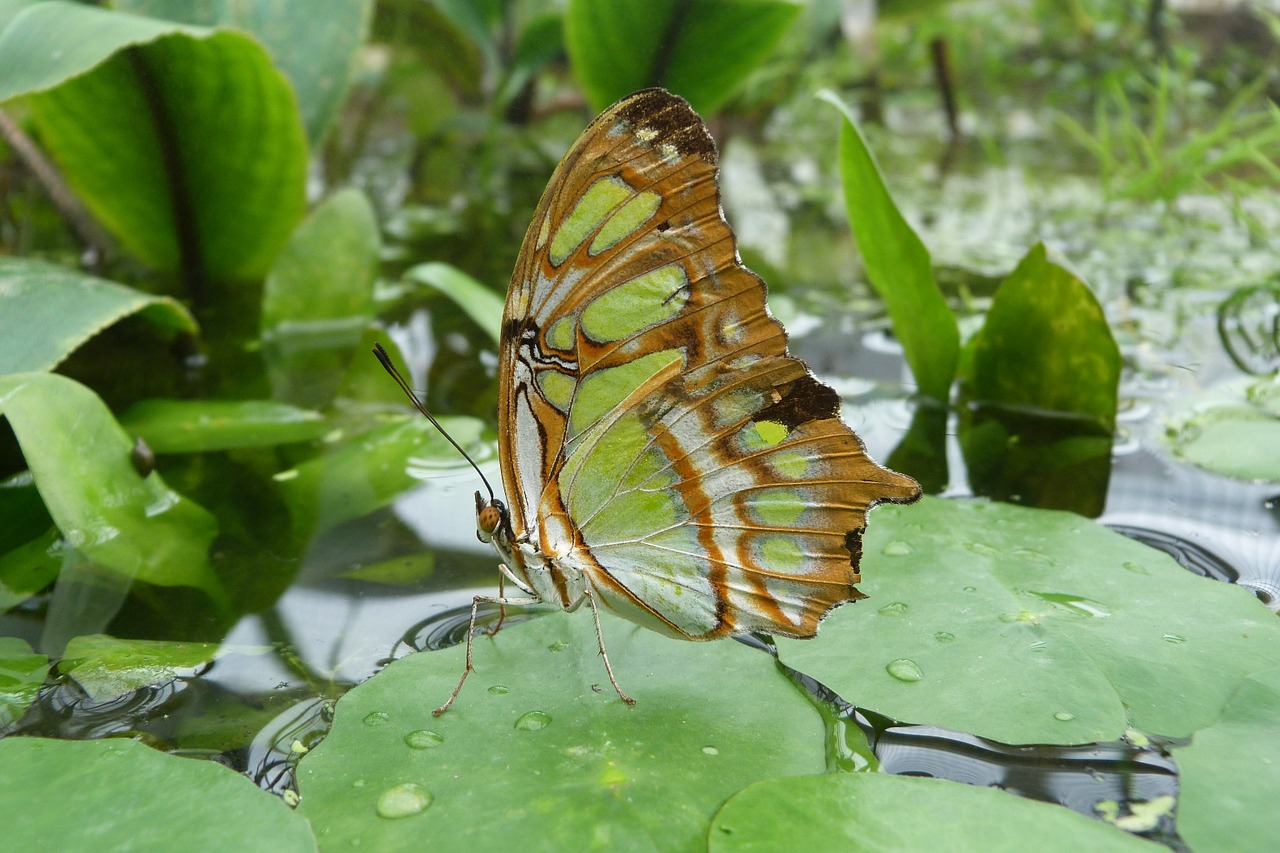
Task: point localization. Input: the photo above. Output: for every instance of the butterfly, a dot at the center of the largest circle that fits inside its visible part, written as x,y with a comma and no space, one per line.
664,455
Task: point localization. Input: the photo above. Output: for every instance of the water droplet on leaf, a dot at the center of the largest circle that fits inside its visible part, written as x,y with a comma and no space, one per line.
905,669
710,750
897,608
533,721
1174,638
944,636
423,739
404,800
897,549
557,646
1064,716
377,718
499,690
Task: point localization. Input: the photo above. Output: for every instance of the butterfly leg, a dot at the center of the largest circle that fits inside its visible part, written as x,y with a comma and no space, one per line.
471,630
502,608
595,614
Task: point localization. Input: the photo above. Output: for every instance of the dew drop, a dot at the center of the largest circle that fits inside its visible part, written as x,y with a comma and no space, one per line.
710,750
1038,646
533,721
1136,568
423,739
897,549
944,636
557,646
377,718
499,690
970,589
1174,638
897,608
1064,716
981,548
404,800
905,669
358,783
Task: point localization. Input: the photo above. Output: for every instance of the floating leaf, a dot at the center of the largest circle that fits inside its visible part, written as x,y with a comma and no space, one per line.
1232,429
897,265
194,426
1033,626
22,674
1229,776
869,812
184,142
698,49
538,740
106,667
48,311
80,458
118,794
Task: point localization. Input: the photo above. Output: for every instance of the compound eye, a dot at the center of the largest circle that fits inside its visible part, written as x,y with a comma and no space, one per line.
487,520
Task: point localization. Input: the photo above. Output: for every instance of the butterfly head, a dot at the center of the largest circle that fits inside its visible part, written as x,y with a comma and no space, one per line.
491,517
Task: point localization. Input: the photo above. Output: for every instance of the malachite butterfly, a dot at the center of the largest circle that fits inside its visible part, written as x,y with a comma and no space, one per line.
663,453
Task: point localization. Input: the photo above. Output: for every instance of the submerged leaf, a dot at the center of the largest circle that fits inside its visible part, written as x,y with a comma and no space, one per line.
195,426
539,744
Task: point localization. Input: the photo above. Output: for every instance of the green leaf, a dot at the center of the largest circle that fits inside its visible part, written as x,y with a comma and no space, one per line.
869,812
314,42
79,456
1046,345
29,568
897,265
553,750
118,794
1232,429
48,311
106,667
196,426
477,301
318,299
185,143
1033,626
369,470
22,674
699,49
1229,776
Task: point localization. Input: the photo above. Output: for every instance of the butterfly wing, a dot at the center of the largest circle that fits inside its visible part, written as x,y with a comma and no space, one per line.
654,432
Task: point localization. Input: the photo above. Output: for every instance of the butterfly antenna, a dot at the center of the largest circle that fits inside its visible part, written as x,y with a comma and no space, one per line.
404,386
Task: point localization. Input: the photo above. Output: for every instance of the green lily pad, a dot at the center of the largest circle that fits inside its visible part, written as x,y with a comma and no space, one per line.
701,51
369,470
80,457
897,264
869,812
477,301
106,667
48,311
539,744
184,142
1230,774
22,673
194,426
1033,626
118,794
1233,429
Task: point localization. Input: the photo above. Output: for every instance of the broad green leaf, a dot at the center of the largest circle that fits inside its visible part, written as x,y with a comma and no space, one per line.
477,301
29,568
118,794
1046,345
871,812
1033,626
367,471
137,526
10,8
1229,777
897,264
539,741
195,426
47,311
1232,429
185,143
22,673
698,49
318,299
314,42
106,667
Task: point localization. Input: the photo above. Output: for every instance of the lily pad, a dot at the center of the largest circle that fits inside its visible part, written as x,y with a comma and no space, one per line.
1230,774
106,667
194,426
869,812
48,311
22,674
118,794
1233,429
539,747
80,458
1033,626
